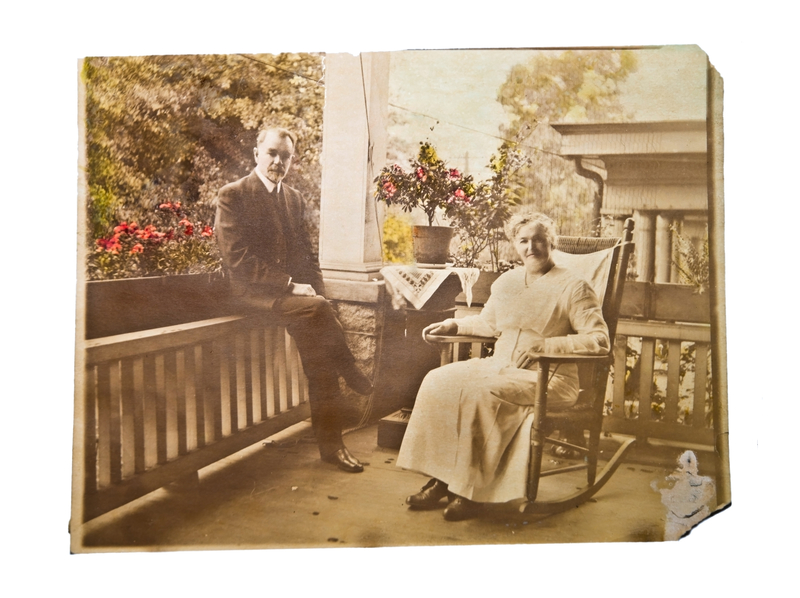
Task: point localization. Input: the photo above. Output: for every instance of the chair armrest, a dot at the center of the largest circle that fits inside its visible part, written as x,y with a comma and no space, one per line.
455,338
570,358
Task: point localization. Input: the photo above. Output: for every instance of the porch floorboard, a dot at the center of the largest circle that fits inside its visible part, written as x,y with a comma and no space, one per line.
280,495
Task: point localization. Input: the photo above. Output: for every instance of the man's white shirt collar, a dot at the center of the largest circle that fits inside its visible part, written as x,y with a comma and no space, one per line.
267,183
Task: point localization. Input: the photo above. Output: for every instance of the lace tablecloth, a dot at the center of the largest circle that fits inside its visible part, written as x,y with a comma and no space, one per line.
417,285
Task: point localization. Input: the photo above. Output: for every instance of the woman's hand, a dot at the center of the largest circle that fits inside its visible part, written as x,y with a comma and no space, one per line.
440,329
530,356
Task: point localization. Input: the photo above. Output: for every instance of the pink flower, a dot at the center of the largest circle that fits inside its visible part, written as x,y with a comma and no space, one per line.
396,169
459,194
165,206
421,174
454,174
207,231
138,248
122,228
389,189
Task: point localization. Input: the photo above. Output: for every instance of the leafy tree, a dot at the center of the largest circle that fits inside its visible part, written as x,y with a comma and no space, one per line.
571,86
177,128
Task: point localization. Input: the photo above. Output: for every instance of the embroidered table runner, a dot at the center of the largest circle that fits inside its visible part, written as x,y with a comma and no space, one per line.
417,285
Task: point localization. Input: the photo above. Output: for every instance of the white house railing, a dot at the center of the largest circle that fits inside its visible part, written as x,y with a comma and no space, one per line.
162,403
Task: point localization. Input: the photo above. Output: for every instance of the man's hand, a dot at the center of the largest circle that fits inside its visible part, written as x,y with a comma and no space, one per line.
302,290
530,356
440,329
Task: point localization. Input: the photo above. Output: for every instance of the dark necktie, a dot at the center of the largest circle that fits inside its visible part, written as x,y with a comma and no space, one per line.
286,222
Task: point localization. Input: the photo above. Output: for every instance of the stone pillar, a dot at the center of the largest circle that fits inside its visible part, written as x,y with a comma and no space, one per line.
645,240
353,151
663,248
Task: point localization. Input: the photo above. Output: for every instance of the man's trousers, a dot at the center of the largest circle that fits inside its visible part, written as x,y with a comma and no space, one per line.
324,352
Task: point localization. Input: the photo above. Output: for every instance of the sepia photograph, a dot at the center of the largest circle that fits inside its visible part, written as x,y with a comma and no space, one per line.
403,298
238,362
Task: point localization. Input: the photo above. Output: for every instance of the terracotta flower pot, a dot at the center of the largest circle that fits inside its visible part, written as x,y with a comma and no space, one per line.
432,244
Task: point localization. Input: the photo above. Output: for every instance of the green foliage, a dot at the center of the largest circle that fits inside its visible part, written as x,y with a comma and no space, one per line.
571,86
398,245
692,264
429,185
177,128
479,223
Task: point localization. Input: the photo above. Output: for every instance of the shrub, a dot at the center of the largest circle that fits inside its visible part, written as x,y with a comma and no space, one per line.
171,244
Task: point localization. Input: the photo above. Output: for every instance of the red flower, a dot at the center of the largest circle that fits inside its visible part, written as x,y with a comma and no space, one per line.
122,228
188,227
389,189
454,174
421,174
111,245
207,231
459,194
138,248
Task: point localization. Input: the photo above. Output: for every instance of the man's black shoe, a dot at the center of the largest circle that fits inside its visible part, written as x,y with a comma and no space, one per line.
344,461
356,380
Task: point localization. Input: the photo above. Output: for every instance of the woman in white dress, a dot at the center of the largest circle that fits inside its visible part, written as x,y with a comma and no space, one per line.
470,427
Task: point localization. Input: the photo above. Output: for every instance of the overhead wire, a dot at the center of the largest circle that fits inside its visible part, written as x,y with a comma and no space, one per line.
276,67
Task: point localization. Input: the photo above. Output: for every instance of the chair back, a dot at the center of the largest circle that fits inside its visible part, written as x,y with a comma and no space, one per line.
603,263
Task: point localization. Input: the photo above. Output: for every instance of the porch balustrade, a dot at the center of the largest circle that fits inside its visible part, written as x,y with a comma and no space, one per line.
161,404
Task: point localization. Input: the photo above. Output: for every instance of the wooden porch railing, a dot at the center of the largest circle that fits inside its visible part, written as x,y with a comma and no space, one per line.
162,403
668,326
666,392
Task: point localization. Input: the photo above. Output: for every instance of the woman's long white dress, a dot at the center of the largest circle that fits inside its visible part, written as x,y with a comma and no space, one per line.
470,426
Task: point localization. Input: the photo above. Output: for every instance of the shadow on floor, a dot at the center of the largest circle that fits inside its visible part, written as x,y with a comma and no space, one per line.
280,495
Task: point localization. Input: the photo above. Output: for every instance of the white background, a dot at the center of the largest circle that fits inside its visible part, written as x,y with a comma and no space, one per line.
750,547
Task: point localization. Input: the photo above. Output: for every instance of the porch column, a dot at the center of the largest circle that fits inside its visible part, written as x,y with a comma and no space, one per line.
663,248
353,151
645,240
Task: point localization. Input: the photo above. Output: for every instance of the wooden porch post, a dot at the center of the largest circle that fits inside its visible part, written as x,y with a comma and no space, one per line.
645,239
663,247
353,150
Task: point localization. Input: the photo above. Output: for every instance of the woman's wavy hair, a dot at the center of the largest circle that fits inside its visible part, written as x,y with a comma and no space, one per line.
530,216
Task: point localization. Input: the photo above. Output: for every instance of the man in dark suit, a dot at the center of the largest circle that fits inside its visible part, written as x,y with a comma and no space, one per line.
267,253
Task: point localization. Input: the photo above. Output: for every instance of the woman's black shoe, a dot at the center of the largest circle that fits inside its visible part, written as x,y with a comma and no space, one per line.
429,496
460,509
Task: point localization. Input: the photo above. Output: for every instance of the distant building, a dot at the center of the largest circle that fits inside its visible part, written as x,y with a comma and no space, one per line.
655,172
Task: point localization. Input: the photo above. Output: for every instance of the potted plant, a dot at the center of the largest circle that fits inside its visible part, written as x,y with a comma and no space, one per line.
480,223
433,187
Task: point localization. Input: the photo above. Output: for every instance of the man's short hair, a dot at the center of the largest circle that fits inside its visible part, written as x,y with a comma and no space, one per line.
282,133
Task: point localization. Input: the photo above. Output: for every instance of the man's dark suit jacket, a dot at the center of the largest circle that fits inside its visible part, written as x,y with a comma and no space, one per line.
264,246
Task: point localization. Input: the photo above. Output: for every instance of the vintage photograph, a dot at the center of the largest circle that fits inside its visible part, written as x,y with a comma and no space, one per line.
405,298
